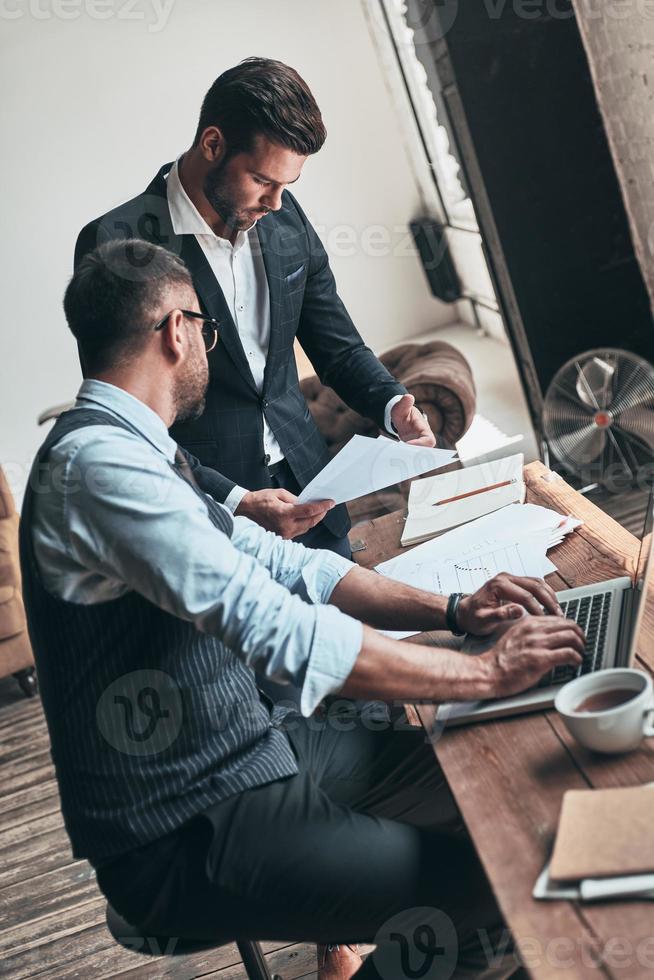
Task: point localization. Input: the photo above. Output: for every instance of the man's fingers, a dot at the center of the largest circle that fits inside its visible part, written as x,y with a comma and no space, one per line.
285,496
402,411
543,592
536,587
550,624
563,638
509,611
511,590
426,440
307,512
564,656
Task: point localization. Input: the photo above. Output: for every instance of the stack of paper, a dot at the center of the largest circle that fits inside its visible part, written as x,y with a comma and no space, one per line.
514,540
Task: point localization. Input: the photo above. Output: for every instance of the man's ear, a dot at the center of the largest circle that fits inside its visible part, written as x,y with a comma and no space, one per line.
174,336
212,144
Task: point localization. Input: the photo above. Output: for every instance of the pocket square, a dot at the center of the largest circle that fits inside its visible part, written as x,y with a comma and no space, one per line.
293,276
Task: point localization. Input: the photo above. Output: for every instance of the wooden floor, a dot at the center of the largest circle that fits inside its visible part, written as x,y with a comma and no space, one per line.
51,910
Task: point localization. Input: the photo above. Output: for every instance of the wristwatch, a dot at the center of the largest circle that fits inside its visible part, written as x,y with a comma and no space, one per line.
451,613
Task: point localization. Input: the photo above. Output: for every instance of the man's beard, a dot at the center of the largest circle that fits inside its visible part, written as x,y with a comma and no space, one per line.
191,390
216,190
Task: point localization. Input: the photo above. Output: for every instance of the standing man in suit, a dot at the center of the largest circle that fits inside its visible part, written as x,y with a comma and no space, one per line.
259,267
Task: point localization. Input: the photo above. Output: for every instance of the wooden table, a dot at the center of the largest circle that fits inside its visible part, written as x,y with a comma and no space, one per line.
509,776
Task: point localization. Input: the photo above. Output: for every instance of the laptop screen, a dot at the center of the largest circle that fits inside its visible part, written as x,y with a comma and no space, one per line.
643,613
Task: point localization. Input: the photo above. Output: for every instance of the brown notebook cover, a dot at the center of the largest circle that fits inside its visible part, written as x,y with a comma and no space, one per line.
604,832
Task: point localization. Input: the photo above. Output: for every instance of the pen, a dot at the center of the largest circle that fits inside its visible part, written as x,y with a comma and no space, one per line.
473,493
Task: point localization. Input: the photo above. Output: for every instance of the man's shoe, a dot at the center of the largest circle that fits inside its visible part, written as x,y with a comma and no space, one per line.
338,962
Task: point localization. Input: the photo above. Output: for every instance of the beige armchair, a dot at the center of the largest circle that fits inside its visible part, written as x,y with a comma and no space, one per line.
15,651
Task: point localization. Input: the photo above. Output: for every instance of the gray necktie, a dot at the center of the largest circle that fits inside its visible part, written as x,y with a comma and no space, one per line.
183,468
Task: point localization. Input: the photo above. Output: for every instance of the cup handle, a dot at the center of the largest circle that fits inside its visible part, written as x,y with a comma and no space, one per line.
648,728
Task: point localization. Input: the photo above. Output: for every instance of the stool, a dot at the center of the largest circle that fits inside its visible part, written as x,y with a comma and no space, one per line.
131,937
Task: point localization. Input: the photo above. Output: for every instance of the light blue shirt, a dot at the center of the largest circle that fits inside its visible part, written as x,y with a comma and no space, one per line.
117,518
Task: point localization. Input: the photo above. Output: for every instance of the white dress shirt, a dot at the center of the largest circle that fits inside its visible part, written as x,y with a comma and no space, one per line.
241,274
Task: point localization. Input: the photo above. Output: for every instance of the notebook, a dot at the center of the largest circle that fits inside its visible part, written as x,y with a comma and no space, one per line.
604,833
438,503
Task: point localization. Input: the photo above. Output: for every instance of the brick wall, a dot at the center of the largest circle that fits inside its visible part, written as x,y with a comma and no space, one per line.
619,40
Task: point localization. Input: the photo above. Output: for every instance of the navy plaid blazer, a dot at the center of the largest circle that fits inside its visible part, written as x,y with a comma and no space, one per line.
304,303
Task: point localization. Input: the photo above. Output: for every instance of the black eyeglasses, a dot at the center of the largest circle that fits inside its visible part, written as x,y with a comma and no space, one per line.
209,326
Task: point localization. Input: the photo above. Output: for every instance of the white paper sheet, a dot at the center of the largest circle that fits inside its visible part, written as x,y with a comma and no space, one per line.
515,522
514,540
366,465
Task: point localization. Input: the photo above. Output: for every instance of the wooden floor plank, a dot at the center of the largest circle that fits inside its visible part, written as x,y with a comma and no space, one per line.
24,780
30,742
22,815
45,893
291,963
14,769
31,849
18,834
212,963
29,795
20,717
47,861
32,933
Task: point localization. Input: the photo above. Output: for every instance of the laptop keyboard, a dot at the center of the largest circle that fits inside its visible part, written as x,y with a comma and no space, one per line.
592,614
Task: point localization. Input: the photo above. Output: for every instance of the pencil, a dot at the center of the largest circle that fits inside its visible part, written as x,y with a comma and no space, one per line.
473,493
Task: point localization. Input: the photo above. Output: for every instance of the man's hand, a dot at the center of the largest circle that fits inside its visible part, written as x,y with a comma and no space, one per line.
277,510
503,599
410,424
529,650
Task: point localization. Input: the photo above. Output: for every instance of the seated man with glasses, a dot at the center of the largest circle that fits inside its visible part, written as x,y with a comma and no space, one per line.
207,811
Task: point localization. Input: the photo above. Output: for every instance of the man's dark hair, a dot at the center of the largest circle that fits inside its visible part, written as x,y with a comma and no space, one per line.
113,296
260,96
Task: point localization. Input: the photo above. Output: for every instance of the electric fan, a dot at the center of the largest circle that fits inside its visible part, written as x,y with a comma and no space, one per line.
598,417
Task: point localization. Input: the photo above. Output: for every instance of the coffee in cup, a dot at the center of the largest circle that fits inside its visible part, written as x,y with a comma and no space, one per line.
605,700
608,711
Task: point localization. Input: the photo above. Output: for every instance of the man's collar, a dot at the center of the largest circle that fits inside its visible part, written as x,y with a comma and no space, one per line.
130,409
185,217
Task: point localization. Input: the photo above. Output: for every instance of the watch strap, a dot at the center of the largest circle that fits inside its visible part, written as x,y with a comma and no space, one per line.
451,613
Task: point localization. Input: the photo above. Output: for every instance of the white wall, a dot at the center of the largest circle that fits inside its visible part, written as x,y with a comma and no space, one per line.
90,109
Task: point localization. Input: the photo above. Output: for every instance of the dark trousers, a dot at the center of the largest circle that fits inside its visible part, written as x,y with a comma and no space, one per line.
364,844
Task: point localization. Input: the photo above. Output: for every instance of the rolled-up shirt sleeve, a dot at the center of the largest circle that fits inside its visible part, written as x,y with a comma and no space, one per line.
139,524
312,573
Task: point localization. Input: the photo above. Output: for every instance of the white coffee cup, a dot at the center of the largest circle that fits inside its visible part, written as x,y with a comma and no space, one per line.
615,729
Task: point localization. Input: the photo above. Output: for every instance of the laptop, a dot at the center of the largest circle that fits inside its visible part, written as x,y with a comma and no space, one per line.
611,615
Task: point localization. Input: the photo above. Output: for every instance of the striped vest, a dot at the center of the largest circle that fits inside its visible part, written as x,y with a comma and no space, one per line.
150,721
